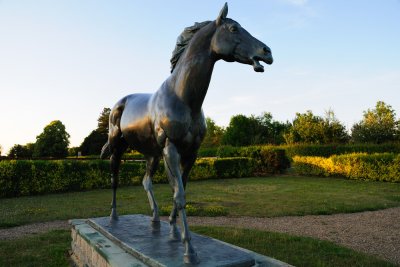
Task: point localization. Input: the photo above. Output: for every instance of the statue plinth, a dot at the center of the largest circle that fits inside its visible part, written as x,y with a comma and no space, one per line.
134,241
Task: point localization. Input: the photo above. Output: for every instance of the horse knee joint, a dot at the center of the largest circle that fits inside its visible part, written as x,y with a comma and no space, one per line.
147,183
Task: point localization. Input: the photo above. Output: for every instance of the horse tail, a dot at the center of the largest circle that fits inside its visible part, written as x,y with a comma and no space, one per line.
114,134
105,151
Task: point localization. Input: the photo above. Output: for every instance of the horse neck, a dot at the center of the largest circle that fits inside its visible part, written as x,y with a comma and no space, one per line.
192,75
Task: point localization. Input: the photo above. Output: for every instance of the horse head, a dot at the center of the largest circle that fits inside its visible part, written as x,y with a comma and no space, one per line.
231,42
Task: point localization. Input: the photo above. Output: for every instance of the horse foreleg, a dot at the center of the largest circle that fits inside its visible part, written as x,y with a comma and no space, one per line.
151,167
174,232
172,165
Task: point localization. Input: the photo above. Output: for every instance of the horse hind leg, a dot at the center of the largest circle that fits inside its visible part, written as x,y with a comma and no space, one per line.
118,148
151,168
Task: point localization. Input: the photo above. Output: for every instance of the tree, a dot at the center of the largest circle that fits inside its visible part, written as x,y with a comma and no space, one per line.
311,129
214,134
244,131
334,130
379,125
93,143
1,149
53,141
103,121
20,151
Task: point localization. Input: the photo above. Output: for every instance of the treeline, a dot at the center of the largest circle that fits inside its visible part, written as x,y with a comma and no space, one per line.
378,125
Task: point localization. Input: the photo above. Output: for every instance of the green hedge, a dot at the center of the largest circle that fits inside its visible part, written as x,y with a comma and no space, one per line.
377,167
31,177
311,149
268,159
332,149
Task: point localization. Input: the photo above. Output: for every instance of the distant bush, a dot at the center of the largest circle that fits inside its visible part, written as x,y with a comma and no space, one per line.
31,177
377,167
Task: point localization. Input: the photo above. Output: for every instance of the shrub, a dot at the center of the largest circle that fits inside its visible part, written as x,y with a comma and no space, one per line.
268,159
207,152
31,177
338,149
378,167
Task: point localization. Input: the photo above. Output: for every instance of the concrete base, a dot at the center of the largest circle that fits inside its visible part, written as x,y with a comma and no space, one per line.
134,241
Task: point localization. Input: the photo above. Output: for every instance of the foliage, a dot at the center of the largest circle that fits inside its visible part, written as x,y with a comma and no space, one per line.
53,141
311,129
378,125
31,177
73,151
214,134
328,150
207,152
245,131
378,167
268,159
93,143
102,121
20,151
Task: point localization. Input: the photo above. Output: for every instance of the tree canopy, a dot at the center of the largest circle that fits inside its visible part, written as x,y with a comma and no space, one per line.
312,129
214,134
93,143
21,151
244,131
377,126
53,141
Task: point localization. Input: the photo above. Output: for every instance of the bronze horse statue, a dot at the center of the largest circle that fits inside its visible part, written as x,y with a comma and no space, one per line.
170,123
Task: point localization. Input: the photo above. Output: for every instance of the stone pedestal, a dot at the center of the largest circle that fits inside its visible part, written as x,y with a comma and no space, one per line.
133,241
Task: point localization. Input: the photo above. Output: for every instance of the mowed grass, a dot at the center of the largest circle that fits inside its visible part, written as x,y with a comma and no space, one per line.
50,249
261,197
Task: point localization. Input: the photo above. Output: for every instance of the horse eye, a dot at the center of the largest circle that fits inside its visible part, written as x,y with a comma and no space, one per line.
233,29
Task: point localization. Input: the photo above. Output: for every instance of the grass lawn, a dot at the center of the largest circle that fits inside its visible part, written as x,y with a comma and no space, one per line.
261,197
50,249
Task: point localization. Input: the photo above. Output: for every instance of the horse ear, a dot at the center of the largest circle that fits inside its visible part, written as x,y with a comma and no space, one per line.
222,14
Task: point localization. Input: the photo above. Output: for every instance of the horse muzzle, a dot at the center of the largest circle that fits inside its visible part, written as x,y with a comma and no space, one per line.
265,55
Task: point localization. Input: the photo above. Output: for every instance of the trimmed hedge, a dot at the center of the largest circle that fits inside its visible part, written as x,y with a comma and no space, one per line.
339,149
363,166
32,177
311,149
268,159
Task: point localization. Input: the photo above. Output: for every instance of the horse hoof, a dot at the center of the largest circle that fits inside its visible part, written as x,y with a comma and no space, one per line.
113,215
191,258
174,234
156,224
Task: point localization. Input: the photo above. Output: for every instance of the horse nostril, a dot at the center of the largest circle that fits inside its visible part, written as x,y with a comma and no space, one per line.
266,50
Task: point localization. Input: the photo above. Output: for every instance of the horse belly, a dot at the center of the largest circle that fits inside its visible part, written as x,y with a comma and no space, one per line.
136,125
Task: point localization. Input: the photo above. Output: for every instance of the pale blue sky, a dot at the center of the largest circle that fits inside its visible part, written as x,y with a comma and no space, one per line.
67,60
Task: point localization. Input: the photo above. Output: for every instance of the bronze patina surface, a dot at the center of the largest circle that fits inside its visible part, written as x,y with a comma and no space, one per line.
170,124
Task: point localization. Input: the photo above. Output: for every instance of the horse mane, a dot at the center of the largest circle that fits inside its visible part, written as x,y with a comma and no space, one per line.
183,40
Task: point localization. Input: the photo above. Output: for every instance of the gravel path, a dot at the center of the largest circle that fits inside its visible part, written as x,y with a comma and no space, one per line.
372,232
